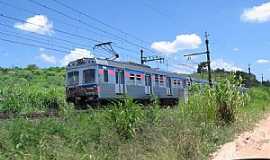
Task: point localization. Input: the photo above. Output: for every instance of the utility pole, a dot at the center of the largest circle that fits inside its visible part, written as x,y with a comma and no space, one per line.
142,57
208,62
262,78
208,58
249,70
150,58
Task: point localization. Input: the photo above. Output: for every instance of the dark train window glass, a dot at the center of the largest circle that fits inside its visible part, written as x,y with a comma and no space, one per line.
156,79
132,77
122,77
174,82
116,77
161,79
106,76
73,77
89,76
138,77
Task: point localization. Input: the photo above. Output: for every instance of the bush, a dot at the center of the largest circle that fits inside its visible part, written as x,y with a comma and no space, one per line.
218,104
125,117
25,98
229,97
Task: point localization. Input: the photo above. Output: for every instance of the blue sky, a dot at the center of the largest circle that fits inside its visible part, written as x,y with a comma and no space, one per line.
239,32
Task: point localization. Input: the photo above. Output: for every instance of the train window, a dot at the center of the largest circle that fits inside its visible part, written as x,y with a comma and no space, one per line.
161,80
131,77
138,77
106,76
174,82
89,76
73,77
156,80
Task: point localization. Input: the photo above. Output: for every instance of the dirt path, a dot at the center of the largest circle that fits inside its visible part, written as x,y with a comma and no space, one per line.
253,144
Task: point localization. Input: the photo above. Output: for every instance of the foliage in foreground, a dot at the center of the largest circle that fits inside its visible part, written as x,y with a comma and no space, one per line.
31,89
124,130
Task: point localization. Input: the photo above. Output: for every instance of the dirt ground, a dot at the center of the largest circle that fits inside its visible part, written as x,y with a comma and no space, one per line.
253,144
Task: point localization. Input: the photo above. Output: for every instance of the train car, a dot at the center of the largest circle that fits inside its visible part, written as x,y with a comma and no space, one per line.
92,80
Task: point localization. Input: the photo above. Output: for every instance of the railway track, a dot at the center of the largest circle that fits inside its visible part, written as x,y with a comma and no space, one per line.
32,115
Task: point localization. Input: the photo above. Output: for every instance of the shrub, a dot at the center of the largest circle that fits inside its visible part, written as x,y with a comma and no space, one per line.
217,104
229,98
125,117
24,98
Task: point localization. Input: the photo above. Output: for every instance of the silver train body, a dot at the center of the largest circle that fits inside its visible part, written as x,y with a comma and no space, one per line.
94,80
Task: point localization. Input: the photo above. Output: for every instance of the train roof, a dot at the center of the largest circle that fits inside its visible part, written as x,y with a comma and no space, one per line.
121,64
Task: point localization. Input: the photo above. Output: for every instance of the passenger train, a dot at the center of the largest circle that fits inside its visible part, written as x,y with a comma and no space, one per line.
94,80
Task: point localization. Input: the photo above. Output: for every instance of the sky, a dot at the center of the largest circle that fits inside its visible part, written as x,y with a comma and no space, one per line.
48,33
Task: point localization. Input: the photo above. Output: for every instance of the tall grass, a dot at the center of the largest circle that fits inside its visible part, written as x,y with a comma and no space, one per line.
26,98
217,104
123,130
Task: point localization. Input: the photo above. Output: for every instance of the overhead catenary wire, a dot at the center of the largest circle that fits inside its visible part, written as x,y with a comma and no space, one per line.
44,44
34,45
60,51
99,21
69,34
63,32
91,26
158,11
57,30
34,40
40,44
59,20
72,25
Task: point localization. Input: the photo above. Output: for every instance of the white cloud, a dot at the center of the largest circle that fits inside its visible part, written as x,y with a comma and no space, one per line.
222,64
236,49
48,58
39,24
257,14
75,54
182,42
262,61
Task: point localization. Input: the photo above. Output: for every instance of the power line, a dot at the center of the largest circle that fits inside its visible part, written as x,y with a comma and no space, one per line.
64,32
33,12
34,45
37,46
33,40
89,25
57,30
98,21
68,24
72,25
61,21
158,11
45,39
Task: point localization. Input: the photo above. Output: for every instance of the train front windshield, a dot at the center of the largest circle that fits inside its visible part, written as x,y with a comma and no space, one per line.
89,76
73,78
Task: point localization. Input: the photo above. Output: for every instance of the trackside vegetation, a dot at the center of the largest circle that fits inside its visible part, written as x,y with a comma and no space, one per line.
123,129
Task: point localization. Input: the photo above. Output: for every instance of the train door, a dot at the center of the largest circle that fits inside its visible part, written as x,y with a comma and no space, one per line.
169,86
148,84
120,82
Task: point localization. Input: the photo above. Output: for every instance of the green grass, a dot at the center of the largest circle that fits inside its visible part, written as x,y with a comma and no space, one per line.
120,131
